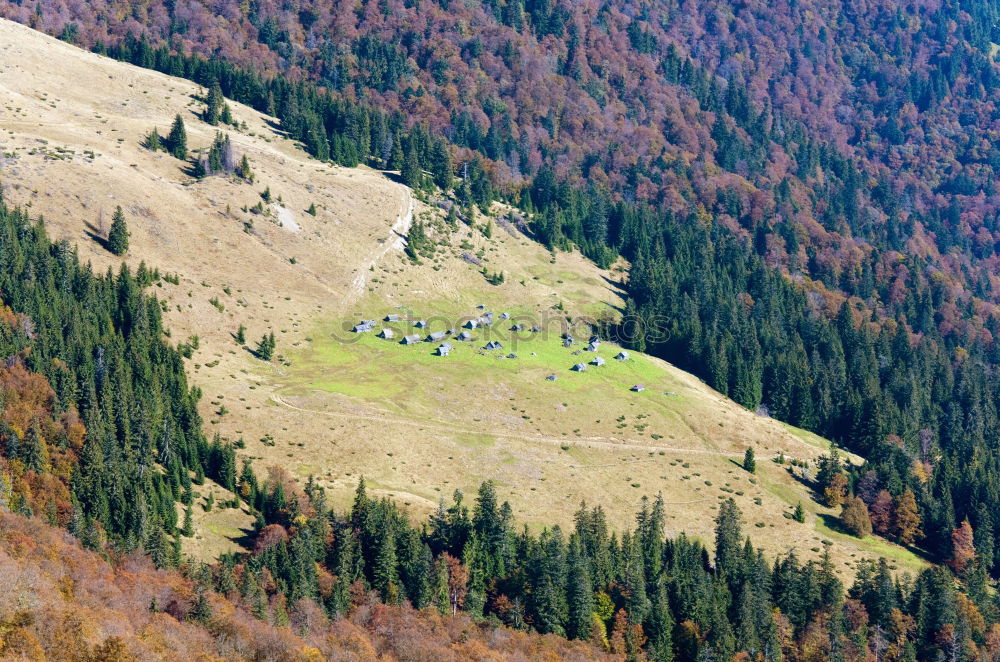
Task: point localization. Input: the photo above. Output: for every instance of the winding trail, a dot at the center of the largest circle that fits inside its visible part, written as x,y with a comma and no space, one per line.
395,242
603,443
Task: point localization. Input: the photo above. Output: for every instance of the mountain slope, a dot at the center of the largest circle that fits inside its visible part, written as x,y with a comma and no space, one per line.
339,410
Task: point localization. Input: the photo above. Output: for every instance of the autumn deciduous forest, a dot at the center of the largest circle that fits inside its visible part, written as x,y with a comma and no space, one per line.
805,194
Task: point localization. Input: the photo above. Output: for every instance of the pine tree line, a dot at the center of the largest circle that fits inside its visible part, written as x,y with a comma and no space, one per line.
133,442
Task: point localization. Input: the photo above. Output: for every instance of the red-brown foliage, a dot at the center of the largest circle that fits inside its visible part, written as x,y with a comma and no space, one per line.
61,602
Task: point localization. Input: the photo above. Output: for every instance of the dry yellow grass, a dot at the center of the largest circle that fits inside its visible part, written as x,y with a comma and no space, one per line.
415,426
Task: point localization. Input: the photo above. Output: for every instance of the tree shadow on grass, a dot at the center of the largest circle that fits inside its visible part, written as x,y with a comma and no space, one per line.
95,233
833,523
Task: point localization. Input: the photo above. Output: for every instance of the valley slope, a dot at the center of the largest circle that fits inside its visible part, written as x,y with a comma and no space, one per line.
338,406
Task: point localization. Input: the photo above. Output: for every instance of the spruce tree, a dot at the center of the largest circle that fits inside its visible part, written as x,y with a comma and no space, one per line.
177,139
243,170
386,580
265,347
749,463
439,586
119,234
410,171
579,594
214,104
661,626
727,539
440,165
154,142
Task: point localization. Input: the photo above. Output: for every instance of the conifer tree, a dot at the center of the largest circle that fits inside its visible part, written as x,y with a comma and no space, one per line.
214,104
33,450
410,171
154,142
749,463
119,234
727,538
188,528
201,611
439,586
386,581
265,347
243,170
580,595
177,139
661,626
440,165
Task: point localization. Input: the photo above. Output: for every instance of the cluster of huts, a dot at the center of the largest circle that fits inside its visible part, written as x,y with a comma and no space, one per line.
593,345
486,319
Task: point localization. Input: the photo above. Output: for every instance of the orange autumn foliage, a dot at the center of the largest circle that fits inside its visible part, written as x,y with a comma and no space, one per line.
64,603
29,405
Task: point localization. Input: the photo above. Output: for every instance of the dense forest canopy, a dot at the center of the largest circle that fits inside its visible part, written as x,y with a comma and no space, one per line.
841,134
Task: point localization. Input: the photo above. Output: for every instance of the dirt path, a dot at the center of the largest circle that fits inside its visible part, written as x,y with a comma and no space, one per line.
395,242
591,442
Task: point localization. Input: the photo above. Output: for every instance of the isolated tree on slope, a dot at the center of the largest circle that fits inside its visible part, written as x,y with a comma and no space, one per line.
177,139
118,236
